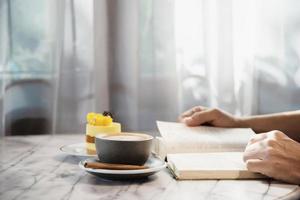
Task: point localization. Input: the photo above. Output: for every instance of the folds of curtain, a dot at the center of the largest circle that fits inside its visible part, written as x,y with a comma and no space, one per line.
131,47
143,78
58,50
151,60
246,62
211,54
28,69
76,74
3,55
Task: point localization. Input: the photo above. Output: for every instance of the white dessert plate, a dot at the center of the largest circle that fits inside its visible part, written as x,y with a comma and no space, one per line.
77,149
154,165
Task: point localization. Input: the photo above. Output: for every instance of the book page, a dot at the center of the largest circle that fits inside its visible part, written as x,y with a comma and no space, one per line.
226,165
178,138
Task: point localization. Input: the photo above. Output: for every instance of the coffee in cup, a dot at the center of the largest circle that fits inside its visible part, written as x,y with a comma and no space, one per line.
124,148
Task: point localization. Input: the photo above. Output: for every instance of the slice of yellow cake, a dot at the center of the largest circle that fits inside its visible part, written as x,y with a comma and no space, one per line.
99,124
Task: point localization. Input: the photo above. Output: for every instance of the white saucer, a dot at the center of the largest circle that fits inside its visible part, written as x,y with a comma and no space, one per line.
154,165
77,149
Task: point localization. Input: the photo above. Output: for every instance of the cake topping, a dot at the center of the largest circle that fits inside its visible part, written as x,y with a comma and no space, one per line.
97,119
107,113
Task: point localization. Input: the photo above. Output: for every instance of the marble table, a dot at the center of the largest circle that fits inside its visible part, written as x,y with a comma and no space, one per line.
32,167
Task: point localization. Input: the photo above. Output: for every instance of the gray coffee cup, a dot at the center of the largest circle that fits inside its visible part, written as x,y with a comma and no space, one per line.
124,148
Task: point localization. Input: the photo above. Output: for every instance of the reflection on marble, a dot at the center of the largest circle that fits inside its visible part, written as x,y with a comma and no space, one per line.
32,167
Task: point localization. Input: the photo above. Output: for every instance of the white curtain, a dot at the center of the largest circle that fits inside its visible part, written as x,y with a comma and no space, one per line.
151,60
30,42
247,51
76,93
241,56
143,76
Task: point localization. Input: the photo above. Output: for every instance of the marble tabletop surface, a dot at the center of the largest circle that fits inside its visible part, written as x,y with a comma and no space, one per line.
32,167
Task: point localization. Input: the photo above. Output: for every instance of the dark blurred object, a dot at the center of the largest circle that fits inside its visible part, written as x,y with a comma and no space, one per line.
107,113
28,107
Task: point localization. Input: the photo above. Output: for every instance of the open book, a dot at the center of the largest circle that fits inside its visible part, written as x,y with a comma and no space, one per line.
204,152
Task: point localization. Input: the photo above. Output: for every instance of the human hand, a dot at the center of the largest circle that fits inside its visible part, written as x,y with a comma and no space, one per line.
208,116
274,154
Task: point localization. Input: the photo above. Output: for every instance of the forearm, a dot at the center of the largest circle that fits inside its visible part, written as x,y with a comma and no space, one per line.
287,122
